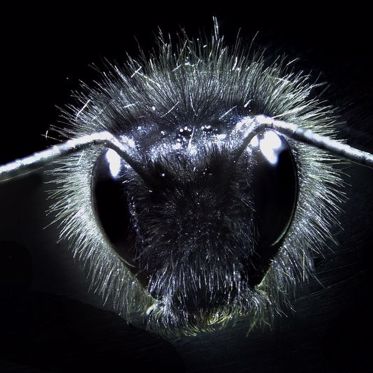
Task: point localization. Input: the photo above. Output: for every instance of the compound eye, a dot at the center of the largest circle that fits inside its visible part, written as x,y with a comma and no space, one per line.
275,187
111,205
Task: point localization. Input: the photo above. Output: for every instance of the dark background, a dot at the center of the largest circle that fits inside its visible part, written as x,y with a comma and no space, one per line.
48,323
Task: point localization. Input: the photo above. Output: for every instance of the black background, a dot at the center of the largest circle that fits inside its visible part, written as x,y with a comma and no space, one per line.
45,324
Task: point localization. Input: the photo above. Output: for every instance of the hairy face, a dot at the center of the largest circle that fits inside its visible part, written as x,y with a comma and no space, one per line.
203,231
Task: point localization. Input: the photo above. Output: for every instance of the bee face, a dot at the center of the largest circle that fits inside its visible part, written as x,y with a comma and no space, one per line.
202,231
